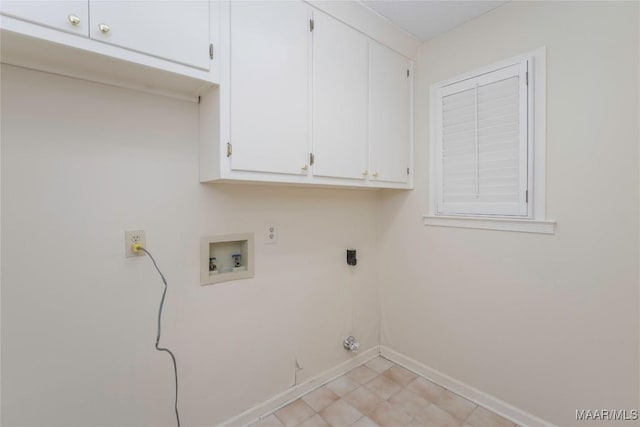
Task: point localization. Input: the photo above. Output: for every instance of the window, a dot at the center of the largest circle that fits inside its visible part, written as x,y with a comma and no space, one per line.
487,148
481,144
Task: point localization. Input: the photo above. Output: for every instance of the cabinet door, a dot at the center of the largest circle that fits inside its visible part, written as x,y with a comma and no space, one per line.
390,109
339,99
270,86
71,16
174,30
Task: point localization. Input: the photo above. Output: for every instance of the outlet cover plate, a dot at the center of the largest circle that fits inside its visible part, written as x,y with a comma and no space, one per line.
271,233
131,237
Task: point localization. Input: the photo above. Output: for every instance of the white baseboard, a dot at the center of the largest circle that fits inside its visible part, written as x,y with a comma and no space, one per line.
253,414
481,398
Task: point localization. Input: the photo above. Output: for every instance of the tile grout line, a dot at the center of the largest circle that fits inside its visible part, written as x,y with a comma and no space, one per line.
382,374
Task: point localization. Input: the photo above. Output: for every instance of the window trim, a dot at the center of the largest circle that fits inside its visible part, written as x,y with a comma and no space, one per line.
535,221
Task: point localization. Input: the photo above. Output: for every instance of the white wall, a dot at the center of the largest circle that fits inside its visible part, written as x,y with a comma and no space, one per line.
546,323
82,162
549,324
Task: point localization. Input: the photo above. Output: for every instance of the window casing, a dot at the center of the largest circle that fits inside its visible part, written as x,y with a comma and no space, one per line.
487,148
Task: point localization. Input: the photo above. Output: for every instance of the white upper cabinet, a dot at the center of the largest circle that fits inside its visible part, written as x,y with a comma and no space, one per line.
269,96
390,114
305,98
340,68
70,16
161,46
173,30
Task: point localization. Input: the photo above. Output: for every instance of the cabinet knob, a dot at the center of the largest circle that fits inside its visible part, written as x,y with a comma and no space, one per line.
104,28
375,174
74,19
305,167
365,173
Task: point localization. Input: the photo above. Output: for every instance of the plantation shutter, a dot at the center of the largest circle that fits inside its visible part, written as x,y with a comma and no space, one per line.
482,143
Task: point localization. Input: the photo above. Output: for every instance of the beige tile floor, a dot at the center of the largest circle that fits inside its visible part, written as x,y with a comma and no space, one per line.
381,393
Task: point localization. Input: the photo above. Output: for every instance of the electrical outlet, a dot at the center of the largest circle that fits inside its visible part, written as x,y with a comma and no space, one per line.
131,237
271,233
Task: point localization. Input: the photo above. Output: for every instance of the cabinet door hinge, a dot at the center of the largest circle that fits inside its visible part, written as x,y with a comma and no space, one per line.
210,50
312,24
229,149
312,159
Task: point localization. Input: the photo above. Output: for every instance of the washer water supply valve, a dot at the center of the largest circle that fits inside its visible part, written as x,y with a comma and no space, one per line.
236,260
351,344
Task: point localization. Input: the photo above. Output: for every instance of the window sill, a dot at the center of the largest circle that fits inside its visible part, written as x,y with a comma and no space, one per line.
488,223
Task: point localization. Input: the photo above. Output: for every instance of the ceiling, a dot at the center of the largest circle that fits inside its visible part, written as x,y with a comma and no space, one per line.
426,19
